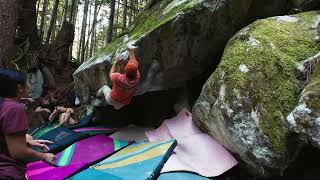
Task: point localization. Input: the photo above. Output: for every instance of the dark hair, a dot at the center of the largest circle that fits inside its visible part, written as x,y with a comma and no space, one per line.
9,80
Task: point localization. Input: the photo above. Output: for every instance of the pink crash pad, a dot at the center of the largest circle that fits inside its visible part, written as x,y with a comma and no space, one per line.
196,151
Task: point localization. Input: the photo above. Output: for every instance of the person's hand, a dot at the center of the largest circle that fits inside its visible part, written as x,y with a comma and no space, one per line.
53,115
39,109
40,143
28,100
131,46
28,138
49,158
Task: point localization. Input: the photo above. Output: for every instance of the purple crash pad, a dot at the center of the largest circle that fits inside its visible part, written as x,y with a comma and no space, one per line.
75,158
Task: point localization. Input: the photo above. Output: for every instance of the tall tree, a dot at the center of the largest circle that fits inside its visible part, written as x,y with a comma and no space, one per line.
79,44
53,20
83,30
117,18
27,23
53,32
89,32
124,20
111,19
93,29
75,14
38,9
136,8
72,10
131,12
8,23
72,19
43,16
65,11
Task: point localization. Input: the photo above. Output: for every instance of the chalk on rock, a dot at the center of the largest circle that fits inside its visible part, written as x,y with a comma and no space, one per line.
131,45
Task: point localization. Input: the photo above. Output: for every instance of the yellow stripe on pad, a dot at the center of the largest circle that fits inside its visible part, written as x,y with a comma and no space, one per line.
134,148
154,152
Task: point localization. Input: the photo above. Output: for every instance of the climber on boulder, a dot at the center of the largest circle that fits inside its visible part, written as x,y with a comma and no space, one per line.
123,84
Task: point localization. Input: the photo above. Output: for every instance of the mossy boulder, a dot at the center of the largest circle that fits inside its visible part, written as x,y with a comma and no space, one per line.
305,118
178,40
245,102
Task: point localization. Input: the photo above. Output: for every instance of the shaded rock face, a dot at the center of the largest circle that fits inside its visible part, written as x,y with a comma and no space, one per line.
305,118
245,102
145,110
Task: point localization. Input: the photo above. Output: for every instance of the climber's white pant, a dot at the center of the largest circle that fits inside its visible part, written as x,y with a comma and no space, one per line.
106,92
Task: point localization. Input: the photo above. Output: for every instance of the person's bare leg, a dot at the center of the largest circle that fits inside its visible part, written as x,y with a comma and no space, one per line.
64,118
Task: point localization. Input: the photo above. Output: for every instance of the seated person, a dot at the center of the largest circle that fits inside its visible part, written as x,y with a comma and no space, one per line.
123,85
65,116
47,105
45,108
14,152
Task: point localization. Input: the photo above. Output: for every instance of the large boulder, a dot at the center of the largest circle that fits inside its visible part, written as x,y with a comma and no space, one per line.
178,40
245,102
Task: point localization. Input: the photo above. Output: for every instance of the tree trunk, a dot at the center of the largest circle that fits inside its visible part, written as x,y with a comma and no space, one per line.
71,14
117,19
75,13
136,8
111,18
94,22
8,23
131,12
27,23
65,9
38,7
89,32
125,2
54,31
53,20
94,44
83,30
79,46
43,17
